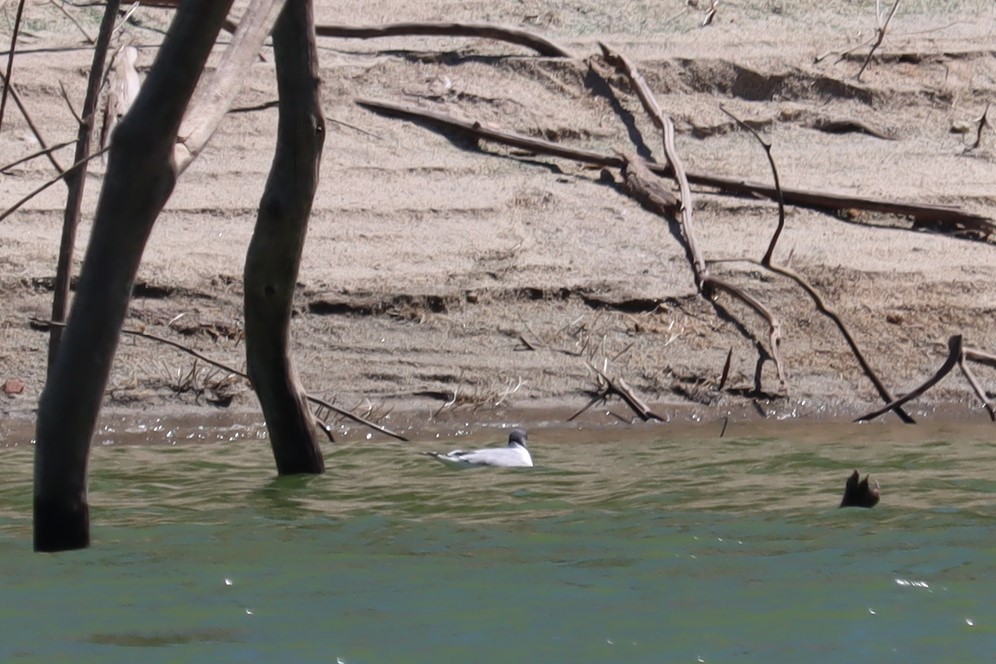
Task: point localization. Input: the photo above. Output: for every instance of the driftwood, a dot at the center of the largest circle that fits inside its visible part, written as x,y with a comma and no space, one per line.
957,355
609,386
706,283
785,271
530,40
950,216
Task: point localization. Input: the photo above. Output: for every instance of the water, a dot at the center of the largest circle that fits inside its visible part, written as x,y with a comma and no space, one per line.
616,548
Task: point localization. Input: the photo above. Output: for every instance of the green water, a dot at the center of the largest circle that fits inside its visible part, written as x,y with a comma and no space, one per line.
696,549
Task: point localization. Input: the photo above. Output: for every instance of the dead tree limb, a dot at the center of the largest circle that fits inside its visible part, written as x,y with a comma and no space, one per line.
10,59
954,355
274,254
39,189
213,100
76,178
46,324
879,35
35,155
139,180
976,386
778,186
9,87
822,307
825,201
530,40
706,283
609,386
806,286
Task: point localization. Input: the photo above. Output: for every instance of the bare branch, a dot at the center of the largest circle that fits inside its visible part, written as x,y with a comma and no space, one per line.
879,36
819,200
61,8
10,60
954,353
9,87
76,178
530,40
16,206
34,155
214,100
778,187
46,324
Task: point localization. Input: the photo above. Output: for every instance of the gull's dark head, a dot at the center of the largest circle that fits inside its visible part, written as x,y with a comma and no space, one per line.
517,437
858,493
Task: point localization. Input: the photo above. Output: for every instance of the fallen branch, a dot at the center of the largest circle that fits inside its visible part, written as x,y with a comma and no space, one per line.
958,354
825,201
706,283
530,40
45,325
954,355
806,286
619,387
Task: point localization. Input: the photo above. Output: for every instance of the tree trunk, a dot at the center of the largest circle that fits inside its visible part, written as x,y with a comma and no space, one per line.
274,254
140,177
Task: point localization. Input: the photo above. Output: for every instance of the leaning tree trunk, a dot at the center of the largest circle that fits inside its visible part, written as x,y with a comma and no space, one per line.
274,255
140,176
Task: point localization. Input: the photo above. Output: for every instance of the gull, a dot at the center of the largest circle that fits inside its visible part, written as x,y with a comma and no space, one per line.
515,455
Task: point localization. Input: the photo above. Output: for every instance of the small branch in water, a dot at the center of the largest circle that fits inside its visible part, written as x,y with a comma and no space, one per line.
44,325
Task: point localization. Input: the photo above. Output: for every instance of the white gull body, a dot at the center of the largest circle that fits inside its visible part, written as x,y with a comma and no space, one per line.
514,455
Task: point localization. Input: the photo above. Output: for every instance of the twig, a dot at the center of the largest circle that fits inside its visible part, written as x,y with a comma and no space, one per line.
27,117
530,40
619,387
726,371
979,392
34,155
45,324
879,36
819,200
778,187
86,35
10,60
69,104
954,354
16,206
124,19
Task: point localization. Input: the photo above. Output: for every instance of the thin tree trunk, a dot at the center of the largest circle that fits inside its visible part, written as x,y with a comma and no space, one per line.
140,176
274,254
76,178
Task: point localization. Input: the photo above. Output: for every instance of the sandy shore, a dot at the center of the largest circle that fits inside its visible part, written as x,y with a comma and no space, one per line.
446,281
